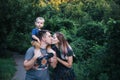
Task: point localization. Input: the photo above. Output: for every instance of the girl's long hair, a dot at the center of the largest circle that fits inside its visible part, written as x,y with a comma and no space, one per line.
63,43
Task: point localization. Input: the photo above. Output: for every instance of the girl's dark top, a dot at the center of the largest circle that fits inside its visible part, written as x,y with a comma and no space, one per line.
62,72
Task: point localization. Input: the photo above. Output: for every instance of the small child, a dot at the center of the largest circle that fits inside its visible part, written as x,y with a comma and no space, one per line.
39,23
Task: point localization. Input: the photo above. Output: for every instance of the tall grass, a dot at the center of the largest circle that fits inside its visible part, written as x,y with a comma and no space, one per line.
7,68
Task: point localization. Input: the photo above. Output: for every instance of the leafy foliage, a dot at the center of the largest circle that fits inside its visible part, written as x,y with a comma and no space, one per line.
90,56
7,69
92,31
90,26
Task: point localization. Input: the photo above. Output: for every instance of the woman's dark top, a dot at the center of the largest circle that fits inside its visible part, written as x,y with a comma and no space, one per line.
62,72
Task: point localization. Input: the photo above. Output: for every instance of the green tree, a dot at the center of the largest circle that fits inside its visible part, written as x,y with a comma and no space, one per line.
112,61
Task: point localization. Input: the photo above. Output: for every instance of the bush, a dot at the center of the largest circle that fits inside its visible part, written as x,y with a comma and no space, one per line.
18,42
92,31
7,69
90,59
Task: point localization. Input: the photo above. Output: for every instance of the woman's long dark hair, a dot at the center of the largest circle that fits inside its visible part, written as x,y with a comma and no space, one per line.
63,43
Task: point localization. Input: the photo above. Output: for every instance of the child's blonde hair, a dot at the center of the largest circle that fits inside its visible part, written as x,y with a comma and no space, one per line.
40,18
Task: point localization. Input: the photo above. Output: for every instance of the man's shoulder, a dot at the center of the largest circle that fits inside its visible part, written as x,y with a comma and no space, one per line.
31,48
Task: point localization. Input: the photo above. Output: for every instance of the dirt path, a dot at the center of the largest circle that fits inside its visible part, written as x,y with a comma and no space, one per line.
20,73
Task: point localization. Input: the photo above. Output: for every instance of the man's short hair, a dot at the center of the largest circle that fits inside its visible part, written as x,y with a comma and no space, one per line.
42,33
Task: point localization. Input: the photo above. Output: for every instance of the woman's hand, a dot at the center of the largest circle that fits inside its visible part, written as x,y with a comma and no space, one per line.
68,63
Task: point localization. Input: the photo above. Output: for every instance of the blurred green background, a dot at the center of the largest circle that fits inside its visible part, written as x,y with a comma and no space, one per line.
92,27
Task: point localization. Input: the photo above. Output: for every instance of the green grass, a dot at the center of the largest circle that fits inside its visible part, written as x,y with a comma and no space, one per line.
7,68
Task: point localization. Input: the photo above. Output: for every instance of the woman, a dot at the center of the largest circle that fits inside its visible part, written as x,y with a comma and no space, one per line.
63,69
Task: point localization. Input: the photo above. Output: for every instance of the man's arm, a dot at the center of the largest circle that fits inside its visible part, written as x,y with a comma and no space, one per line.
28,64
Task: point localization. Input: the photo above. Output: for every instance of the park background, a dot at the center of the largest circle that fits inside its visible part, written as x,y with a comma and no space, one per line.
92,27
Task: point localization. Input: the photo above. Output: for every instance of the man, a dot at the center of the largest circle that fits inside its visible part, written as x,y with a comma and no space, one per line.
36,66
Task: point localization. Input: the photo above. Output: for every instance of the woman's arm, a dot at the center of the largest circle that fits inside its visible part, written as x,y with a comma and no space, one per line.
68,63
